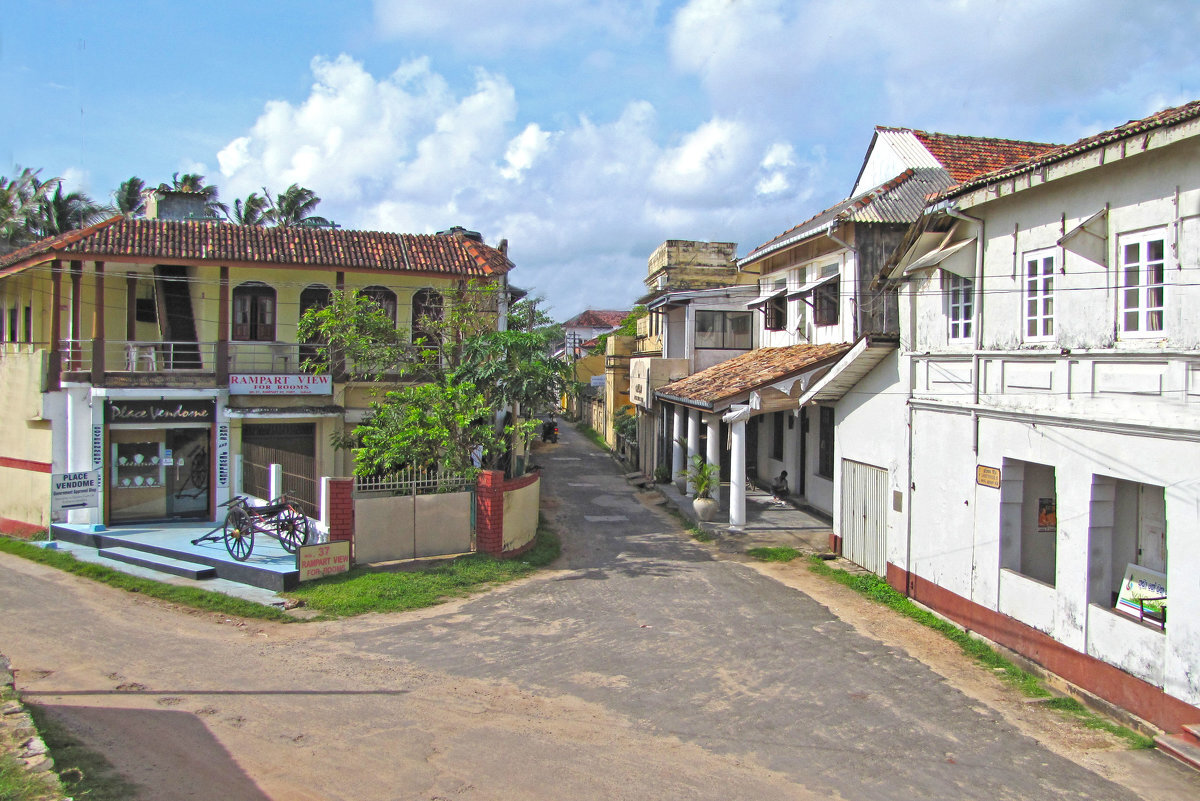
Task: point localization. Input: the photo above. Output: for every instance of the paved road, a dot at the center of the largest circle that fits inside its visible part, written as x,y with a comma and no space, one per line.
641,668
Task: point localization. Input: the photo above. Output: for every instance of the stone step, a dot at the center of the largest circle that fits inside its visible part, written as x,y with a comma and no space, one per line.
163,564
1192,730
1182,748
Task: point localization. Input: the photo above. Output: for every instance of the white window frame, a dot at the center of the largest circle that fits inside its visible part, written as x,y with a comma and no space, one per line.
1134,301
960,307
1037,294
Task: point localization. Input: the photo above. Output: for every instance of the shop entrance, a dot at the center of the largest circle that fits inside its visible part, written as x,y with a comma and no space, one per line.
159,473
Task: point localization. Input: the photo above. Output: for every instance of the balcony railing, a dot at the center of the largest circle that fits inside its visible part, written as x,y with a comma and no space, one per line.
120,356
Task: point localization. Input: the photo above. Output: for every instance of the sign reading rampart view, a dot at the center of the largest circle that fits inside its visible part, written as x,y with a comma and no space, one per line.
270,384
323,559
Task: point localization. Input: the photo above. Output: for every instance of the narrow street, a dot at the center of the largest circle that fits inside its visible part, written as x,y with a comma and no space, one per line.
640,666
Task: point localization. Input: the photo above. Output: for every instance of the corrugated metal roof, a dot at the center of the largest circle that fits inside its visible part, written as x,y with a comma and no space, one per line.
900,201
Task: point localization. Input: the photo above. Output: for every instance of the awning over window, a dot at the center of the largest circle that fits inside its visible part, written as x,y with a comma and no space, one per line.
811,285
963,265
762,300
1090,238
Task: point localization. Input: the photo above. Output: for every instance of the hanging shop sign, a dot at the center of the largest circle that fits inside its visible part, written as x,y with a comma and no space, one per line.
74,490
271,384
153,412
323,559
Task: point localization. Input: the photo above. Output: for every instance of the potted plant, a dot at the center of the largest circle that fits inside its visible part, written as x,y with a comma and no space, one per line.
705,479
662,474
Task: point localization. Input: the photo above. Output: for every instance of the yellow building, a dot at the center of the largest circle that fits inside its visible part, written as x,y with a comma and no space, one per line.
164,353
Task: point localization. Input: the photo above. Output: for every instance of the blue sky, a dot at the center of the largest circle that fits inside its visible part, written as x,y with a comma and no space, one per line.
583,131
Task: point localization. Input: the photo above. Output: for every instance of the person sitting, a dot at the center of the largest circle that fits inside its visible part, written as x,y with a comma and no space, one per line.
779,488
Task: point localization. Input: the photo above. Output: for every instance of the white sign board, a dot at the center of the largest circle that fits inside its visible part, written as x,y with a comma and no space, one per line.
323,559
74,490
272,384
1143,594
598,380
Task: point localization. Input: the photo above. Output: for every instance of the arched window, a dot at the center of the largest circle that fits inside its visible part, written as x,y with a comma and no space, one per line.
427,307
385,298
254,312
314,296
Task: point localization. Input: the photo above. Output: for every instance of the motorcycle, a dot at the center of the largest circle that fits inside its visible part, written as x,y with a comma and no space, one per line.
549,431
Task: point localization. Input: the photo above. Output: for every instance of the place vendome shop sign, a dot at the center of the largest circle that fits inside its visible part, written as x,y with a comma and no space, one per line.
273,384
160,411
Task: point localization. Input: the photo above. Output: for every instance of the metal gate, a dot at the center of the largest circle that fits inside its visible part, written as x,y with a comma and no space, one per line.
291,445
864,515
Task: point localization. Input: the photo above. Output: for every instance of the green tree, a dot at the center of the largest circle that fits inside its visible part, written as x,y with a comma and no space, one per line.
294,206
20,201
129,199
67,211
252,211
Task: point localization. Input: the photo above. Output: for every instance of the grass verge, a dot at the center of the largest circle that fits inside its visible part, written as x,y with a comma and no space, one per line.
880,591
699,534
185,596
593,436
361,590
18,784
780,554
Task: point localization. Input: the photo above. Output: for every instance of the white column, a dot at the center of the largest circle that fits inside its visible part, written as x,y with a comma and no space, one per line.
737,474
693,443
677,436
275,481
712,453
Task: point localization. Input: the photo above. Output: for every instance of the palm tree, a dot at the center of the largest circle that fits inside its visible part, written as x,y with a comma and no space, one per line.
71,211
191,182
294,207
251,212
20,200
129,197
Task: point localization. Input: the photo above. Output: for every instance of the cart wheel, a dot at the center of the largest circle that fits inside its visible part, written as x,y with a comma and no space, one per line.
239,534
292,527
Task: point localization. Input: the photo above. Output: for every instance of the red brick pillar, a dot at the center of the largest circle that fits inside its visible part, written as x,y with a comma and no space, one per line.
341,510
489,512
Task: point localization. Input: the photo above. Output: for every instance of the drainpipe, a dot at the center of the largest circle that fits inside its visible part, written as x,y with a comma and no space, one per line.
857,303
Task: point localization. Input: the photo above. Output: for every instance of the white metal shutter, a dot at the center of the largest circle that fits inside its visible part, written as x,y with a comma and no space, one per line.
864,515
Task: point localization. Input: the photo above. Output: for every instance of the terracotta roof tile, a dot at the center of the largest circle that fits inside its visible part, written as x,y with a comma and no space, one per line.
597,318
965,157
749,371
1161,119
123,239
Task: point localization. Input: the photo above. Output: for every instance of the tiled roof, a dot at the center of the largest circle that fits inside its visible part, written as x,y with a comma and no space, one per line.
900,200
965,157
597,318
1161,119
747,372
137,240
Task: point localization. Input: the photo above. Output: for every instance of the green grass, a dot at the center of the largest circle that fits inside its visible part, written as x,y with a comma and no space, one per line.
699,534
878,590
781,554
361,591
18,784
186,596
84,773
593,435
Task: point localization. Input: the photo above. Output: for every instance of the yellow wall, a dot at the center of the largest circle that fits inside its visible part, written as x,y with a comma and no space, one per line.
24,494
521,515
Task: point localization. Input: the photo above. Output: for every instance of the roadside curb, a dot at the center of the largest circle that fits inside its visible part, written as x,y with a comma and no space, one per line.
21,732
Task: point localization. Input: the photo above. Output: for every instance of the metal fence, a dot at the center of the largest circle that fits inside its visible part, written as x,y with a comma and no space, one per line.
411,481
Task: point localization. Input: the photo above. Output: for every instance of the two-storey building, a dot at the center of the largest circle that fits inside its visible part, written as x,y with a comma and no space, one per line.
1047,492
164,353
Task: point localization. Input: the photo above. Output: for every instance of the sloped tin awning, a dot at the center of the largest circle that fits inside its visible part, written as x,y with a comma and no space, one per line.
766,298
811,285
963,266
854,364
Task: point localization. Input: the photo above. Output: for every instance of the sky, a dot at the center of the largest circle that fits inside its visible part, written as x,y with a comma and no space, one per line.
585,132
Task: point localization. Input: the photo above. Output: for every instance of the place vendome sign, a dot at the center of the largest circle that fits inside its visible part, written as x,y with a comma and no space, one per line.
160,411
273,384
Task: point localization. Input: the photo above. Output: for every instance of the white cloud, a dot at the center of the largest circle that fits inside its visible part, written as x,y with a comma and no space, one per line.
582,203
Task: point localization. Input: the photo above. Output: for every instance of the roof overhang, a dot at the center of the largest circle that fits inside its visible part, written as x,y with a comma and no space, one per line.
766,298
811,285
866,354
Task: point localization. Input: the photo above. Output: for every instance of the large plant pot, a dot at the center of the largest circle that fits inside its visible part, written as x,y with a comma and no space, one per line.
705,509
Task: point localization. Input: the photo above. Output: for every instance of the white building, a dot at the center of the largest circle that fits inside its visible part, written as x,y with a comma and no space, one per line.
1048,493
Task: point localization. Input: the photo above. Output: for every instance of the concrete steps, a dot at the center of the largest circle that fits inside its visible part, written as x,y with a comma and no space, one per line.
163,564
1184,746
